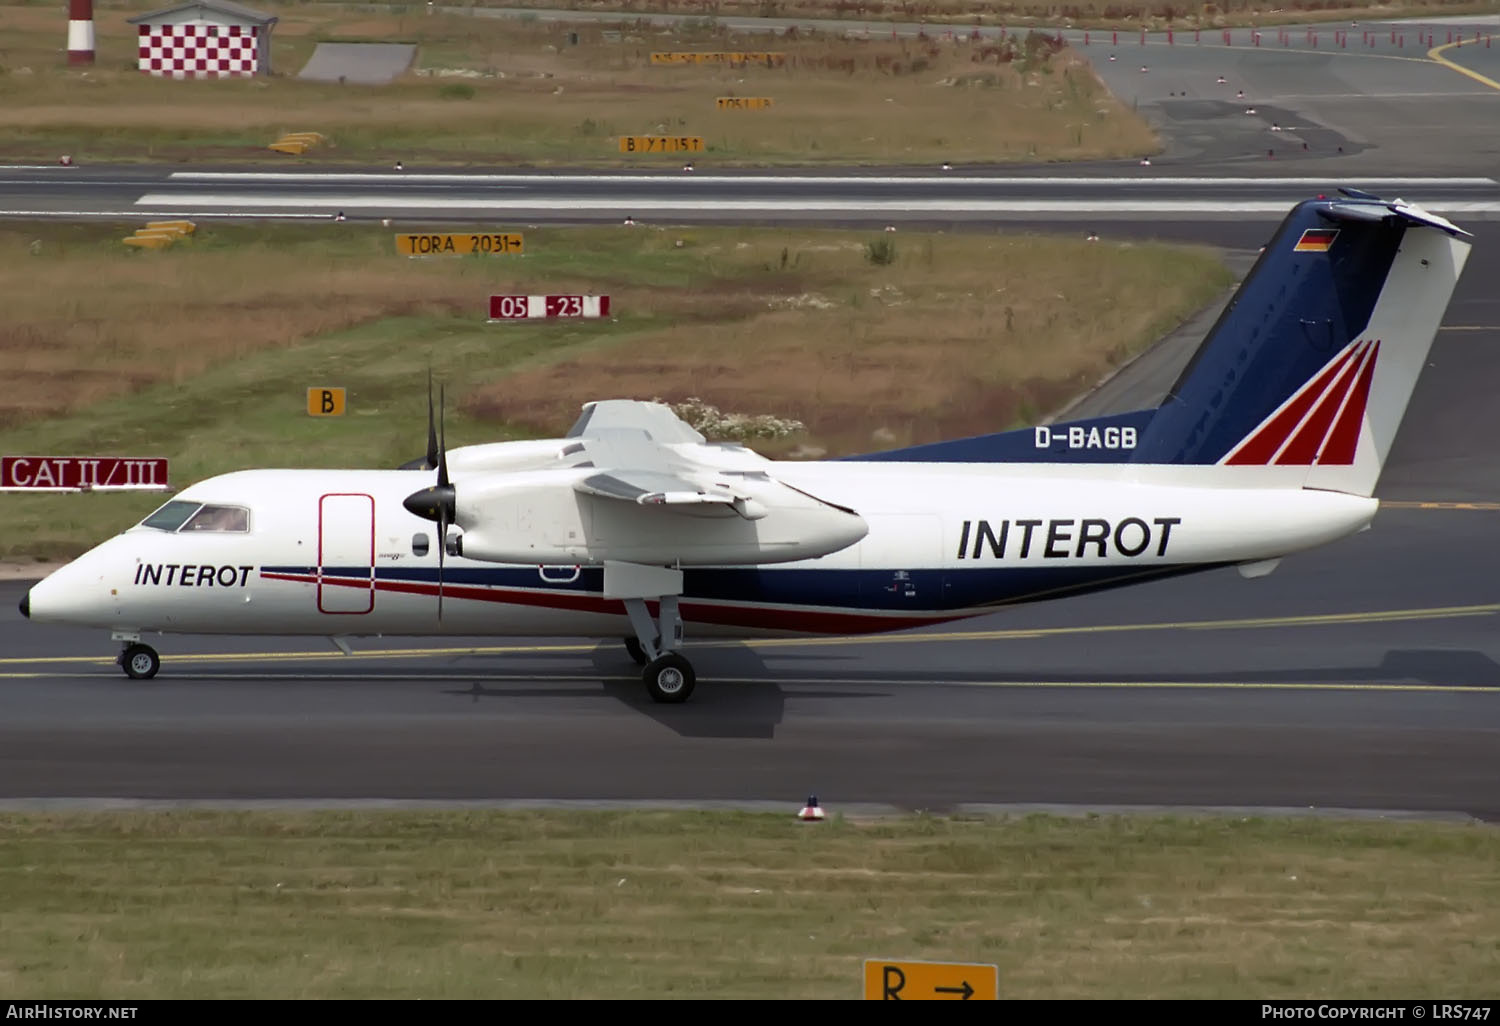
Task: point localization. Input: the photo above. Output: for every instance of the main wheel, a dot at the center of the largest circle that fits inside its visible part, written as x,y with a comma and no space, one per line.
633,646
140,662
669,678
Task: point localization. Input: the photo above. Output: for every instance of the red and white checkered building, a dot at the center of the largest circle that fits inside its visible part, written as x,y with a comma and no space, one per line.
205,39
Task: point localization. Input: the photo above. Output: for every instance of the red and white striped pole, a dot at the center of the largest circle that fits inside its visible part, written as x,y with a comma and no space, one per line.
80,31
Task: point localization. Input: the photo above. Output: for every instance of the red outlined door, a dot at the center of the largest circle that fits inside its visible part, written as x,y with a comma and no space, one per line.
346,553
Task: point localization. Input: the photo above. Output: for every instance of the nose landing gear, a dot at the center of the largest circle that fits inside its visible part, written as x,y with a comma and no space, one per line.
140,662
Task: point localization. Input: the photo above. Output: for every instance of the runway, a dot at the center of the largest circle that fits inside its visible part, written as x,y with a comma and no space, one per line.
960,199
1364,676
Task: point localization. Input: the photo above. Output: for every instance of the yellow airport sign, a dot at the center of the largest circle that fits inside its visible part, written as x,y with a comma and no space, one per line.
769,59
930,981
743,102
661,144
325,402
460,243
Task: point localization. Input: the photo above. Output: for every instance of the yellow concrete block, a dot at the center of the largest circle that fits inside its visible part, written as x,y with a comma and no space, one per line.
295,147
311,138
184,227
149,241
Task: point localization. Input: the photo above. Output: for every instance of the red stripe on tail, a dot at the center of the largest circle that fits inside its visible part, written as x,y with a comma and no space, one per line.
1344,439
1262,445
1303,448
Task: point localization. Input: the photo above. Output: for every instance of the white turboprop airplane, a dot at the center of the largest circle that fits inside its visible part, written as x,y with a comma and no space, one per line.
1270,442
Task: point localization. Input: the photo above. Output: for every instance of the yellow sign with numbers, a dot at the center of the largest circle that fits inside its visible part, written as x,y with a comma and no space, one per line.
459,243
769,59
661,144
743,102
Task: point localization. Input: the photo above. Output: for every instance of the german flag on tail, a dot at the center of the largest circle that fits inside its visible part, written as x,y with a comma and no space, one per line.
1316,240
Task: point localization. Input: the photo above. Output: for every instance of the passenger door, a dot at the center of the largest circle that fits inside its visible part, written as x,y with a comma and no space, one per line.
346,553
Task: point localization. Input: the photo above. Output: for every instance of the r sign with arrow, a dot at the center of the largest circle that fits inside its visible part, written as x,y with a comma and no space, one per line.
889,980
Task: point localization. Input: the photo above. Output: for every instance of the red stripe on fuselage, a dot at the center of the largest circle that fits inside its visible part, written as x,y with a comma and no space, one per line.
809,621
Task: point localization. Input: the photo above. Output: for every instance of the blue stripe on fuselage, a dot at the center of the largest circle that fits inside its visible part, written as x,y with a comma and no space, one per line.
880,590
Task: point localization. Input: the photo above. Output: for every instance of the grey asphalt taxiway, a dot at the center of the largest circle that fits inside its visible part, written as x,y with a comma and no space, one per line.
1364,676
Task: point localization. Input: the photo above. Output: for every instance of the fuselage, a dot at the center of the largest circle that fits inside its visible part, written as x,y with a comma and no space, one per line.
335,553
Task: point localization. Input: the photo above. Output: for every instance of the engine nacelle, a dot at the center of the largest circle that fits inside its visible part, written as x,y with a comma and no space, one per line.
523,519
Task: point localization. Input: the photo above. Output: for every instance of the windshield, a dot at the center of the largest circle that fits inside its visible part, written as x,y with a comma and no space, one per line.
171,516
219,518
178,515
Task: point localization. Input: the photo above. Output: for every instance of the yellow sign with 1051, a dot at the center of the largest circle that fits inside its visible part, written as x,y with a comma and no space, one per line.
744,102
458,243
661,144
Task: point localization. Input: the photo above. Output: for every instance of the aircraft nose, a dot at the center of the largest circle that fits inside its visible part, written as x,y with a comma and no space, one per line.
26,604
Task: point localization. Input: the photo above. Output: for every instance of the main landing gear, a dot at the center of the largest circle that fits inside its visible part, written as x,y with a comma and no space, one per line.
668,676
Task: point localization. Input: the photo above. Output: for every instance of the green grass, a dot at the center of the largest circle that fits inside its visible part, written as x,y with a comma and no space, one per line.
493,904
203,353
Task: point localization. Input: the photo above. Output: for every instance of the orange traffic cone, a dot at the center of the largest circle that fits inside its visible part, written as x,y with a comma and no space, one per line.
811,810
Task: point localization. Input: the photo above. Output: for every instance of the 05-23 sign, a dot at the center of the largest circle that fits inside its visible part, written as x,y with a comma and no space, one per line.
460,244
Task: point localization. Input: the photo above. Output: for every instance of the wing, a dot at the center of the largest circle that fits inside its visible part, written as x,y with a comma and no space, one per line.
655,420
625,441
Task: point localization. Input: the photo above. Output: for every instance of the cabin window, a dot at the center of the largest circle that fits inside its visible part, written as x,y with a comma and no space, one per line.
171,516
234,519
419,545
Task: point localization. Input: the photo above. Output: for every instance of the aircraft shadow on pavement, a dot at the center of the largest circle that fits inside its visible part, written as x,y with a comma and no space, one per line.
749,706
1447,667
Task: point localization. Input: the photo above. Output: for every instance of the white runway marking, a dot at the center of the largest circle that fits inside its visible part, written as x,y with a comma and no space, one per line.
956,205
605,177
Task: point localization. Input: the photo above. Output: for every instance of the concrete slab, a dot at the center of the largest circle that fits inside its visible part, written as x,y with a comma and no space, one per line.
359,63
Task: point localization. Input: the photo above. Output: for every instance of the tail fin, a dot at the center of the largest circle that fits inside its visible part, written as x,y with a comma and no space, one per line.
1313,362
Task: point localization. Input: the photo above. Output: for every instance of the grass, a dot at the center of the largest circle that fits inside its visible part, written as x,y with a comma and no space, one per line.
502,92
552,904
203,353
1106,14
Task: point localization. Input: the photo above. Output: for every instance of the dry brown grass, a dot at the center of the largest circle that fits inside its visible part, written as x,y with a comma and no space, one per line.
538,100
87,319
1153,13
960,335
203,354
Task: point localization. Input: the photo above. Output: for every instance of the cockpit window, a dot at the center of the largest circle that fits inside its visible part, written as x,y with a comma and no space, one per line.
219,518
171,516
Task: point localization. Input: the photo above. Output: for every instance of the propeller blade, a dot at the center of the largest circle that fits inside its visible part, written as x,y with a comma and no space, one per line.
442,460
446,489
432,439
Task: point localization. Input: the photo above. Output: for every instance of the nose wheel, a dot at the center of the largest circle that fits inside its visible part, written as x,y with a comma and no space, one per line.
140,662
